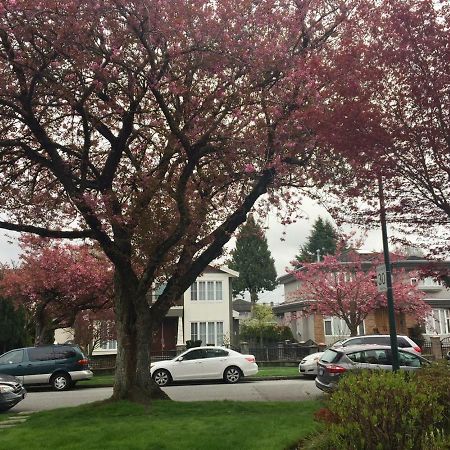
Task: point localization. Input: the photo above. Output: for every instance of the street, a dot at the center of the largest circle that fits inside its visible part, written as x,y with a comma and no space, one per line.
39,399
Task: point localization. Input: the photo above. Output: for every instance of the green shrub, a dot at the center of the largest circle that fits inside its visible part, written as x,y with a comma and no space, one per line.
437,376
382,410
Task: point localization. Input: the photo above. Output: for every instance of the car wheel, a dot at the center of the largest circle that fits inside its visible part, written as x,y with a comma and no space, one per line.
232,375
61,381
161,377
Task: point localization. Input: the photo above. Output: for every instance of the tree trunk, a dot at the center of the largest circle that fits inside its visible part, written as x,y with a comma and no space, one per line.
133,322
253,300
42,334
353,332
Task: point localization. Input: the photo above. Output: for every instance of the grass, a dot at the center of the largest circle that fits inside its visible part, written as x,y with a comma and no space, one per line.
167,426
278,371
108,380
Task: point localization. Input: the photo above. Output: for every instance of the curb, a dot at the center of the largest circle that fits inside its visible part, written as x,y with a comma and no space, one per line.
246,379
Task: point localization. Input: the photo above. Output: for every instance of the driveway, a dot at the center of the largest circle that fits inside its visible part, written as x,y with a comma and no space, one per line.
39,399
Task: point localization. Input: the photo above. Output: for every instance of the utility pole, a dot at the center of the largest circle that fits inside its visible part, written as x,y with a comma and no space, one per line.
389,293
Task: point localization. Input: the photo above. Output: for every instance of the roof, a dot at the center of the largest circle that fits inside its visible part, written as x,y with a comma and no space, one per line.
241,305
290,306
410,263
225,269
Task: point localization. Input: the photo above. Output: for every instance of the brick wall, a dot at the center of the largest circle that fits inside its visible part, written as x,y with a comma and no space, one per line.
319,333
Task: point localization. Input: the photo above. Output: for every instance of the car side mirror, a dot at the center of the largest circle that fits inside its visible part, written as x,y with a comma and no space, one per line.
179,359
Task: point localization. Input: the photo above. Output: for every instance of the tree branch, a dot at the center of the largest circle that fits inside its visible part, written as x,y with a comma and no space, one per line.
45,232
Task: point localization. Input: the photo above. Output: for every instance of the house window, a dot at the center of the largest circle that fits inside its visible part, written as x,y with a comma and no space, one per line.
438,322
201,290
109,345
429,282
194,291
210,333
202,333
210,290
194,331
334,326
206,290
328,327
219,333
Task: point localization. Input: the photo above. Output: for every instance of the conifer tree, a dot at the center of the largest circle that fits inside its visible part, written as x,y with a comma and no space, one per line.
323,238
252,259
13,330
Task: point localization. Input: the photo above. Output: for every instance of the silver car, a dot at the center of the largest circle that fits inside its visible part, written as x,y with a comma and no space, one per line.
403,342
336,361
308,365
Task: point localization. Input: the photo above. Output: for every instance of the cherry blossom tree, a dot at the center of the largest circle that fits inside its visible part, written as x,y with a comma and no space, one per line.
54,283
153,127
92,328
343,286
390,108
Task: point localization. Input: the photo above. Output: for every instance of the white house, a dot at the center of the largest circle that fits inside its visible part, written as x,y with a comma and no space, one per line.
204,313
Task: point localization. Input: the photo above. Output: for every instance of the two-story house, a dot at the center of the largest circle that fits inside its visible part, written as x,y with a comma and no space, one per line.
329,329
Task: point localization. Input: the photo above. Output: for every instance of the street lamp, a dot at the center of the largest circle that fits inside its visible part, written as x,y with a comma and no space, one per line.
389,293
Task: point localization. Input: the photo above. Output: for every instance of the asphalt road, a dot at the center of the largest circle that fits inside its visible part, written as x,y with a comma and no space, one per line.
39,399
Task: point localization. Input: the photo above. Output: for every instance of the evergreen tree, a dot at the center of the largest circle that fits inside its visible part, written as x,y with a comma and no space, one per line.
252,259
323,237
13,327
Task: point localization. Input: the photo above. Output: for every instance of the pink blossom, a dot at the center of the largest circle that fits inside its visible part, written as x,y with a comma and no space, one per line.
249,168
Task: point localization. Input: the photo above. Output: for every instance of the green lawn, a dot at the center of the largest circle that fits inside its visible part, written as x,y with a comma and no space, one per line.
166,425
277,371
263,372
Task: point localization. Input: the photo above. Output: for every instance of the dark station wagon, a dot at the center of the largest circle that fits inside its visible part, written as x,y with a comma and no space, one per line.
60,366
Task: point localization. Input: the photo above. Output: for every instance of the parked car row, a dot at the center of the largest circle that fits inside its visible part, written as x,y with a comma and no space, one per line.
308,365
61,366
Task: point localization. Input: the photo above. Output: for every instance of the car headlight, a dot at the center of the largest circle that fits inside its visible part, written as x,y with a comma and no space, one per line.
4,389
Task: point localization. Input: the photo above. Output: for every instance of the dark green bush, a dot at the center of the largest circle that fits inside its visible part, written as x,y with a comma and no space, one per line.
269,333
437,376
382,410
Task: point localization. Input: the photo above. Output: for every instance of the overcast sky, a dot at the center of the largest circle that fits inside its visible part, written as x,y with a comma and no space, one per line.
283,252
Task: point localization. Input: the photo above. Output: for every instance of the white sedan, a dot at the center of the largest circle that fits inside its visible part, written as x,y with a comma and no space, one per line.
308,365
204,363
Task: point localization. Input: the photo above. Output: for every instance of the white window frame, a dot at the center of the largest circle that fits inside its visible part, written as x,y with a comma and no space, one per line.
438,322
109,345
204,290
206,326
339,327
